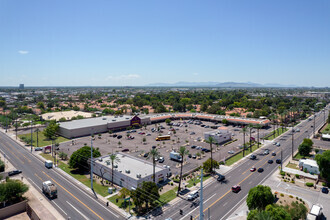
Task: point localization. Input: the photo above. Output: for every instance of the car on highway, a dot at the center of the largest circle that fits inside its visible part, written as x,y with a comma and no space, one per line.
325,190
274,143
266,152
270,161
236,188
278,144
273,154
14,172
38,149
221,178
253,157
192,195
253,169
278,161
260,170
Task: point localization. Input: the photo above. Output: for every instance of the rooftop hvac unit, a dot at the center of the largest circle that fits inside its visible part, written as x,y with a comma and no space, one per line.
127,171
138,175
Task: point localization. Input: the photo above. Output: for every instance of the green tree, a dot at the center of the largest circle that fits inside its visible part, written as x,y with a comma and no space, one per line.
305,147
2,166
146,194
243,132
278,212
207,165
51,130
114,159
168,121
183,152
323,160
255,214
79,158
297,211
259,197
63,155
153,153
41,105
12,191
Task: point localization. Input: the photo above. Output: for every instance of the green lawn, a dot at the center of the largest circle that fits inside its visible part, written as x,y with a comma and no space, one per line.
120,203
292,166
239,156
278,132
42,140
196,180
298,156
98,188
326,130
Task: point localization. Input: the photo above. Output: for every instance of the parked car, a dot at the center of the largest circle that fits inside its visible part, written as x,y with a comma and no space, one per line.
278,161
325,190
236,188
231,152
253,169
270,161
189,155
38,149
14,172
193,146
125,150
114,135
161,160
194,156
146,154
119,136
260,170
192,133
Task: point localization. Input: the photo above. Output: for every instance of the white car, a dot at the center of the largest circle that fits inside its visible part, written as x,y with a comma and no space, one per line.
192,195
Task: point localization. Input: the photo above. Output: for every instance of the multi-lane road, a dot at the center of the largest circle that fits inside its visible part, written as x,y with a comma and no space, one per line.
219,201
72,201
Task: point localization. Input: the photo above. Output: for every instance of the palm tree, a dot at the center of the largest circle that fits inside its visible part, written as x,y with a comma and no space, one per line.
153,153
258,127
37,130
211,140
251,127
114,159
243,131
183,152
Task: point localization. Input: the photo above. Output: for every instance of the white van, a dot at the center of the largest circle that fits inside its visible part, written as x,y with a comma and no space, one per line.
193,195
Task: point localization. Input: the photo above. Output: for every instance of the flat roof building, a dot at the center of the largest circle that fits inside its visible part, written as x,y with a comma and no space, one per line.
220,135
129,171
84,127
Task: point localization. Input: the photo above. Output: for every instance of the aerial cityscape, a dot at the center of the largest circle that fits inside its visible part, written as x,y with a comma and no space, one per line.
165,110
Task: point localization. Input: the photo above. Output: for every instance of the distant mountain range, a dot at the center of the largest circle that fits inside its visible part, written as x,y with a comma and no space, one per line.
218,84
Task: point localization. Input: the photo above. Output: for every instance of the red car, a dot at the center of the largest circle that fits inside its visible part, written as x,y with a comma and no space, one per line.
253,169
236,188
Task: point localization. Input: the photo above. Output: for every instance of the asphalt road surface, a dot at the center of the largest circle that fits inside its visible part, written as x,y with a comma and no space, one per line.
72,201
219,201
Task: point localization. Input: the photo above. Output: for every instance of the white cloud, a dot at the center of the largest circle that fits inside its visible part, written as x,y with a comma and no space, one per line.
123,77
23,52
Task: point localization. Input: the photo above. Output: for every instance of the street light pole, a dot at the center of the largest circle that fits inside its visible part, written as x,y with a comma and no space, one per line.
92,161
201,214
291,144
31,136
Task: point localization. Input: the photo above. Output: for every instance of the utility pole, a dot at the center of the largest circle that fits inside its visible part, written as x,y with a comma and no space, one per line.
16,128
292,143
201,214
31,136
281,160
92,161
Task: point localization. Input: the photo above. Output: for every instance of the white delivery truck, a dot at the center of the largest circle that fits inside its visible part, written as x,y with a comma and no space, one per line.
315,213
48,164
49,189
175,156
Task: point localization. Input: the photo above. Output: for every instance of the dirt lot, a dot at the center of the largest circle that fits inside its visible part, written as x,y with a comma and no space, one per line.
183,135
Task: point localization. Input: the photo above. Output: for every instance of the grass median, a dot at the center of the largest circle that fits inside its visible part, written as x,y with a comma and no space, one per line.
278,132
42,140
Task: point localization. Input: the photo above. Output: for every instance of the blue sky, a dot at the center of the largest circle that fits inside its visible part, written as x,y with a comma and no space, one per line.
134,43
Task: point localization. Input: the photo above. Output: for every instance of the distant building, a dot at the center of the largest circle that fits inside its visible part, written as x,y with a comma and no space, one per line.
220,135
21,86
84,127
129,171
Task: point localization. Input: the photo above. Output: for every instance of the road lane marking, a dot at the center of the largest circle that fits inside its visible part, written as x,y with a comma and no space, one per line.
38,177
225,204
59,207
84,216
14,154
208,198
18,152
35,184
74,196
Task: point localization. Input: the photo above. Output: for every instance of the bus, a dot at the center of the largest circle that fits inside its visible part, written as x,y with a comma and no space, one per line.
164,137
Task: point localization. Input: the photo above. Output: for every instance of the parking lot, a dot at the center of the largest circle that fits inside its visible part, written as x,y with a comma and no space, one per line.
140,141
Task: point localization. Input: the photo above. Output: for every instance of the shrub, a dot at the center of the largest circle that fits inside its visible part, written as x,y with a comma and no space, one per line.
282,194
282,173
288,174
291,196
324,184
176,180
309,184
297,197
297,176
305,170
